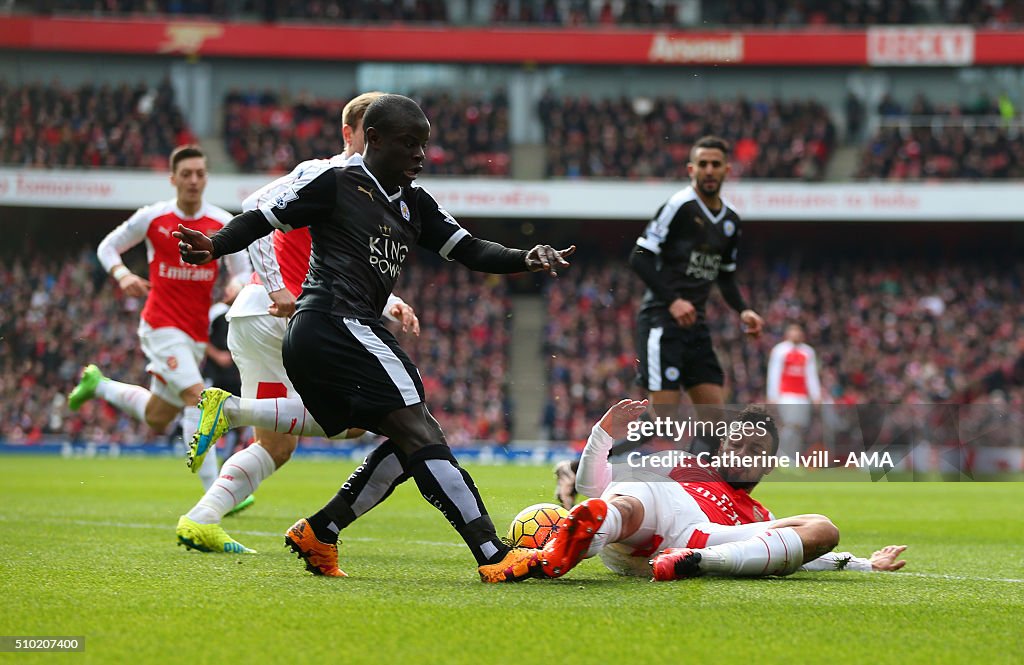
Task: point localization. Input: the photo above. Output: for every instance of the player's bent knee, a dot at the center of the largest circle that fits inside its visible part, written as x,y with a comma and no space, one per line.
157,424
413,428
829,533
631,510
821,533
280,447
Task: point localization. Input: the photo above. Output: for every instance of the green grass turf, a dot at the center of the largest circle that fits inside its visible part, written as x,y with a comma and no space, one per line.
88,548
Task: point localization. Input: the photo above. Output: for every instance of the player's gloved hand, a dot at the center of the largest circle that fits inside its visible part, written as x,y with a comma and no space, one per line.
134,286
548,259
282,303
683,312
753,324
617,419
406,315
885,559
194,246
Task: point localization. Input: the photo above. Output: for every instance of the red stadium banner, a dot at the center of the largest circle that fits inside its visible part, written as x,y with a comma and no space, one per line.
910,46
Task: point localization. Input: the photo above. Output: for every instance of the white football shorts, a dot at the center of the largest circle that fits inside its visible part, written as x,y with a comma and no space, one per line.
174,359
255,345
678,518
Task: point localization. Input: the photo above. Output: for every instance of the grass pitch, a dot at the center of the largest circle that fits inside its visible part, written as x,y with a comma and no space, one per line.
88,548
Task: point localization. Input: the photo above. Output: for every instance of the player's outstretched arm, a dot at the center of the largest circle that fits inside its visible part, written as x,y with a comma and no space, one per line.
196,248
486,256
884,560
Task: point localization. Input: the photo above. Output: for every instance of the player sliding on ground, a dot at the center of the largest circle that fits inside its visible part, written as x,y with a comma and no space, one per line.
694,518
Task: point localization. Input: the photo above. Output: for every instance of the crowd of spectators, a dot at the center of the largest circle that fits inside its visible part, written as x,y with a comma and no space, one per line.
646,138
860,12
926,141
61,312
340,11
886,332
990,13
463,350
56,314
54,126
266,132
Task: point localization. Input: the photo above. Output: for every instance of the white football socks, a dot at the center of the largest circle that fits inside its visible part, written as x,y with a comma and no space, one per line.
284,415
773,552
125,397
241,474
610,531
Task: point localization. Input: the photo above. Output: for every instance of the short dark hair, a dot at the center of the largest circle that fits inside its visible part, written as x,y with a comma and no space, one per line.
712,142
388,112
356,108
757,415
185,152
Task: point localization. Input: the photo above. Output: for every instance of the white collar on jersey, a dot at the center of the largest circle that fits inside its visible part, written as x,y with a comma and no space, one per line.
358,159
714,218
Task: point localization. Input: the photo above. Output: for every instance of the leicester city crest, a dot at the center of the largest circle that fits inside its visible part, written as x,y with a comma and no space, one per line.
405,211
729,227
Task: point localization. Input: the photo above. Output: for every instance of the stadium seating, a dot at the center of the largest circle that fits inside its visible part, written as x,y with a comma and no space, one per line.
912,333
923,141
58,313
264,133
642,138
52,126
604,13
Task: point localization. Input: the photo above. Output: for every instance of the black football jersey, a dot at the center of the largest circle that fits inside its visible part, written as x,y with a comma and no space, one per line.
361,235
693,246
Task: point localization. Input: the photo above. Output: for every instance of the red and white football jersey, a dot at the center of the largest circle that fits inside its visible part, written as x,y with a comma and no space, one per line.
280,260
180,293
793,371
718,500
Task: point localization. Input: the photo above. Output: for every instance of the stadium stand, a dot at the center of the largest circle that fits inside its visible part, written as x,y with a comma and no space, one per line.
604,13
925,141
265,133
911,333
52,126
643,138
59,312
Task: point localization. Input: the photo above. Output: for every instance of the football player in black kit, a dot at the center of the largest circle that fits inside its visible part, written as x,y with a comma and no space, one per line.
690,245
349,370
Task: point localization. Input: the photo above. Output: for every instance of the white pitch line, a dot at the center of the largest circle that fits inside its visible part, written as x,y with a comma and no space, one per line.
960,578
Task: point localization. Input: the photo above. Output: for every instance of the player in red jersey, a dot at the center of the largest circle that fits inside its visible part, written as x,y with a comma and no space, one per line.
258,320
698,513
794,386
174,326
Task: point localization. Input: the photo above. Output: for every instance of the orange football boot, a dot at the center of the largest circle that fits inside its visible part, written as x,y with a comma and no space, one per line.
320,558
519,564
